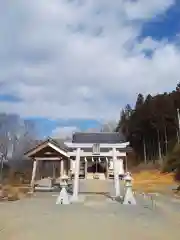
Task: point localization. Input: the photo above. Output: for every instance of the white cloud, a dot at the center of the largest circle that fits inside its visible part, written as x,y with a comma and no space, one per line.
149,44
73,59
142,9
64,132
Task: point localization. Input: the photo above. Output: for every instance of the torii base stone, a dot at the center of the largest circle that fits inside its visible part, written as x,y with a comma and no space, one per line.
129,198
63,197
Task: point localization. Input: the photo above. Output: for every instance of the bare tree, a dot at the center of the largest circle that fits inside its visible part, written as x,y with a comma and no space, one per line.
16,136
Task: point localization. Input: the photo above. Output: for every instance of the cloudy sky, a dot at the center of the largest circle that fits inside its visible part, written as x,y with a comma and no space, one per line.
72,64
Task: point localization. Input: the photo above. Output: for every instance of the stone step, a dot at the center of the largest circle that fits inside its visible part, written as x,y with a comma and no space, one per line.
100,176
95,186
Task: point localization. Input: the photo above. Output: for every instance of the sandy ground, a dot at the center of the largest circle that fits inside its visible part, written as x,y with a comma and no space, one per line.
96,218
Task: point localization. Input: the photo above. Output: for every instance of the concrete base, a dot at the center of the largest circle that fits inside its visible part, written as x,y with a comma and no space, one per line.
129,197
63,197
74,199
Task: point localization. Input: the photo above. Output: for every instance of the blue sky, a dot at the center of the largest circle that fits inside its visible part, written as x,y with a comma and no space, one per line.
68,78
46,126
166,26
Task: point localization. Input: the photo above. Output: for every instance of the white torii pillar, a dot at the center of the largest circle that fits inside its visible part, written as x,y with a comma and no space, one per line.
107,168
85,159
76,177
116,174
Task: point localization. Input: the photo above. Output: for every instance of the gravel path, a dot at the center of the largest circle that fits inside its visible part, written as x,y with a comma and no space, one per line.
97,218
39,218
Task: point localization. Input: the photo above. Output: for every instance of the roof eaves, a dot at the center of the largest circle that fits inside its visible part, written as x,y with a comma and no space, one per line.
64,147
50,140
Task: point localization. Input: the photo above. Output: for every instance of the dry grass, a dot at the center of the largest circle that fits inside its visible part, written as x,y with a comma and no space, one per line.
13,193
153,181
13,187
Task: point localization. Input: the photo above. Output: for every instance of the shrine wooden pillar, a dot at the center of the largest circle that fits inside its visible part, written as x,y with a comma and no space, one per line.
33,178
62,167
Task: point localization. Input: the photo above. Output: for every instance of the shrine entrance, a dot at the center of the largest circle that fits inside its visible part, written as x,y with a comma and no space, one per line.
49,168
96,166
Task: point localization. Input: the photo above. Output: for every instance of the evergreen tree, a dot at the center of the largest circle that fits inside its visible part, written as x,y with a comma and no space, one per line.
139,101
178,87
152,122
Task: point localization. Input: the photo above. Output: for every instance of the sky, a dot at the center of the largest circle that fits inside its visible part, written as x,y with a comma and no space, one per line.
71,65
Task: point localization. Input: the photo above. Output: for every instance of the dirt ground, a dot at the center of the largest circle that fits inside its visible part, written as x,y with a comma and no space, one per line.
97,217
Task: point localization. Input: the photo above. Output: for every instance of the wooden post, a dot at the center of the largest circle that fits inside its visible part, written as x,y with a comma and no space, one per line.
59,167
62,167
39,170
116,175
71,168
126,163
67,166
54,171
76,177
33,174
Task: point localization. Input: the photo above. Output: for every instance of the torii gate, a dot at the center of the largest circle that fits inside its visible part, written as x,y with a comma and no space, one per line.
77,169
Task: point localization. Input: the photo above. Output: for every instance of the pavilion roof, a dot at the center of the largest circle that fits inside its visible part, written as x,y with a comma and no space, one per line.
57,142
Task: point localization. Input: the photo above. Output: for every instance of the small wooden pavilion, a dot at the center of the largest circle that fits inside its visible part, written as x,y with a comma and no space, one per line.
49,151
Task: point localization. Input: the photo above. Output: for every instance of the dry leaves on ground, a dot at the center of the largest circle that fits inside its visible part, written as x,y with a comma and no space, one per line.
153,181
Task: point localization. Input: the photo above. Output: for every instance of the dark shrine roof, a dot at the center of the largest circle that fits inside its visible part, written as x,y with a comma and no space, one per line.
99,137
79,137
59,142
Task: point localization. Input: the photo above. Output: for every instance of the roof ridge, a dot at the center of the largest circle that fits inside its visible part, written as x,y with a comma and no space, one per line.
95,132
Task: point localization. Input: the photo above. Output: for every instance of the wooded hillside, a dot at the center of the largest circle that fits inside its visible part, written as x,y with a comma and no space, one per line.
151,125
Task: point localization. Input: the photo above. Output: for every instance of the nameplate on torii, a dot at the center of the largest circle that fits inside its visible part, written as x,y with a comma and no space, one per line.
96,149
